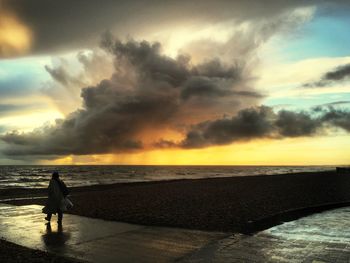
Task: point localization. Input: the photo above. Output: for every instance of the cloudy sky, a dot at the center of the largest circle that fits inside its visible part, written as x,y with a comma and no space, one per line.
174,82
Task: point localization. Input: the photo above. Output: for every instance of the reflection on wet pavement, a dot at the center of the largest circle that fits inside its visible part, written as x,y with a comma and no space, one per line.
97,240
55,240
322,237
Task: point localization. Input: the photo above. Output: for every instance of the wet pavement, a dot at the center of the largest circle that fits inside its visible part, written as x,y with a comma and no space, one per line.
322,237
97,240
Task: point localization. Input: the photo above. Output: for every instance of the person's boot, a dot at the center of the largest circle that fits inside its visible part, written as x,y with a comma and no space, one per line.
60,216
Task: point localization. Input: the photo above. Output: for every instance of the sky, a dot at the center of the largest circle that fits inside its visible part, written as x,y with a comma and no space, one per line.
175,82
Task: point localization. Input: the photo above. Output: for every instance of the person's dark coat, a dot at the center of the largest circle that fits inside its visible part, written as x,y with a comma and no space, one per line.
56,201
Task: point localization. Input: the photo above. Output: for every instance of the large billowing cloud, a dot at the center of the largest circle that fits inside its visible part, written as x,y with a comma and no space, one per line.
65,24
148,91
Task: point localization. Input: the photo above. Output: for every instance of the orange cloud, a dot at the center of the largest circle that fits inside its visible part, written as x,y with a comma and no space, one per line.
15,37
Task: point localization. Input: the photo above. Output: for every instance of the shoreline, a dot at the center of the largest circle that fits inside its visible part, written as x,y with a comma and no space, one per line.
23,191
235,204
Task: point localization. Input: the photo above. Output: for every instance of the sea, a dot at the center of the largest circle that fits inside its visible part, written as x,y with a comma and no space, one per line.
38,176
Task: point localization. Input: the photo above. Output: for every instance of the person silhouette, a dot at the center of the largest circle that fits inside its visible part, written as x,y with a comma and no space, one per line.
57,201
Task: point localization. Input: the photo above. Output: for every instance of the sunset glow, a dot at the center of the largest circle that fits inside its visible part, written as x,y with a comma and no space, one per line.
15,37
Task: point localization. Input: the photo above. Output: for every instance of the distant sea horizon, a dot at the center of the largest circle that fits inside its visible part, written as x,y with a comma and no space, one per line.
38,176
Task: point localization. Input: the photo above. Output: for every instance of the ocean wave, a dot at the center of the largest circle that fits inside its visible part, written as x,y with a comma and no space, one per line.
39,176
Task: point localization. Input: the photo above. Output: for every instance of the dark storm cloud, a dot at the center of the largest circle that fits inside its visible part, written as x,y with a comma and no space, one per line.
211,87
263,122
337,118
149,61
66,24
204,87
296,124
214,79
145,92
248,124
339,74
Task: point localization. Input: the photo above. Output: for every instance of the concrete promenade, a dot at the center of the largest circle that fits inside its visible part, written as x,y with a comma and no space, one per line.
322,237
97,240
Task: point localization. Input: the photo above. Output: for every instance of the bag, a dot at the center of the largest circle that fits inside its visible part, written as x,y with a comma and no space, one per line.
66,204
69,203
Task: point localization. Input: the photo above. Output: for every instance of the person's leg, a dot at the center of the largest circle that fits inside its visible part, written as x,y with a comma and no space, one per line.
48,217
60,217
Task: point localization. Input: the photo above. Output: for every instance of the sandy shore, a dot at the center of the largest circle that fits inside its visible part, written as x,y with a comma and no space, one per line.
220,204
